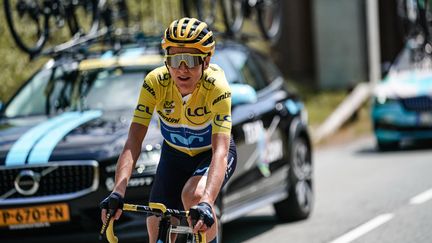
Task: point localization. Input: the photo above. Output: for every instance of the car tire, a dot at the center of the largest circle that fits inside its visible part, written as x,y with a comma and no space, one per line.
298,204
387,146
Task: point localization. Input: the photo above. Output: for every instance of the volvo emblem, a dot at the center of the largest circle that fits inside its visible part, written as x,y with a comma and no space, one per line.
27,182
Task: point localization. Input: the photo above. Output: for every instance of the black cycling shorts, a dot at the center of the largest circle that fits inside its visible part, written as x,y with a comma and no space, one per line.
175,168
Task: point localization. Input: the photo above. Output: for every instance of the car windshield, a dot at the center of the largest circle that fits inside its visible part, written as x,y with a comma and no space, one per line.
66,88
57,89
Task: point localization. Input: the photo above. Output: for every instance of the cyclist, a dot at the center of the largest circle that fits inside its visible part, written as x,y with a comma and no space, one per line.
192,100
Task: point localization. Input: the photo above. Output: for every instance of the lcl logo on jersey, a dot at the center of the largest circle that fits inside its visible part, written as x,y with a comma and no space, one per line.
208,82
168,107
223,121
164,79
143,108
200,111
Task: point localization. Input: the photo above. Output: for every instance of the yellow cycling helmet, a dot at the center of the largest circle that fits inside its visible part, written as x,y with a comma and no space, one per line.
190,33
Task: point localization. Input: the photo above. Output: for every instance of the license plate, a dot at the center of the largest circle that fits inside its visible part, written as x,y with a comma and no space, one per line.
50,213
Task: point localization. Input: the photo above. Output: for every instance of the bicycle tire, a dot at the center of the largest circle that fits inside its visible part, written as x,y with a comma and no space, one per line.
36,45
270,19
75,26
115,14
428,17
232,11
204,10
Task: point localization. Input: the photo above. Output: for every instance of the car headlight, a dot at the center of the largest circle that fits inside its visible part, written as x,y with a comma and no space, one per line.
148,159
384,100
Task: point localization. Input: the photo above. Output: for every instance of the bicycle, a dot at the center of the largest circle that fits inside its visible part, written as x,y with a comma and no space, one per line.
204,10
234,13
24,14
269,16
416,17
30,22
165,226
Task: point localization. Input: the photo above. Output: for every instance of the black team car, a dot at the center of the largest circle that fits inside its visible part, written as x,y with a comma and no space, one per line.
62,132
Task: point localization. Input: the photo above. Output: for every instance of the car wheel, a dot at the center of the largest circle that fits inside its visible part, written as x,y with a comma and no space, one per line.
387,146
298,204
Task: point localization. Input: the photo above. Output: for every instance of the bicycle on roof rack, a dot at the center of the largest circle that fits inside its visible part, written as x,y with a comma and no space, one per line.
269,16
416,16
166,229
32,23
234,12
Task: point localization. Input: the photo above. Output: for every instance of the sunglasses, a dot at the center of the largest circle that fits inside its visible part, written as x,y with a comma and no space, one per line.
191,60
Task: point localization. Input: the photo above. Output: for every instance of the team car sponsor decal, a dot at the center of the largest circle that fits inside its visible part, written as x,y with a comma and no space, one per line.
18,153
38,143
186,137
268,149
133,182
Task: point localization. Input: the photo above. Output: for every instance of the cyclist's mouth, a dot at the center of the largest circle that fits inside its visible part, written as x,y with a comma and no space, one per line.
183,78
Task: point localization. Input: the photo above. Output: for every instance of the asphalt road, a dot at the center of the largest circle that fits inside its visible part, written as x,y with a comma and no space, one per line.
361,196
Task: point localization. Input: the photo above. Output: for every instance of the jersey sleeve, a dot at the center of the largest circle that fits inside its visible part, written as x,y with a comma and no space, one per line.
146,101
221,107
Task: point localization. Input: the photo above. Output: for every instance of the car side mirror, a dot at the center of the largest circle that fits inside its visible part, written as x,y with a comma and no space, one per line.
243,94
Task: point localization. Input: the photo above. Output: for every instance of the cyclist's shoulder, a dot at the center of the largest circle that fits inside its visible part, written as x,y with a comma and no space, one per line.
159,75
214,79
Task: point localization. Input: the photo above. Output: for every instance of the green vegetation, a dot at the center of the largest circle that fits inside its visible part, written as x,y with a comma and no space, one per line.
15,65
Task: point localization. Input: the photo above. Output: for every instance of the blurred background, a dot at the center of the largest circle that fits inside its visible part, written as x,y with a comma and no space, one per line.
325,49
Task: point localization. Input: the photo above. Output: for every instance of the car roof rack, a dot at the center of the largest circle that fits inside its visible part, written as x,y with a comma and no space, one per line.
103,40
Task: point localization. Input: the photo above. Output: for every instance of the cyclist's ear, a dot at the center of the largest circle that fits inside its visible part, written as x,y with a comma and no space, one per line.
206,62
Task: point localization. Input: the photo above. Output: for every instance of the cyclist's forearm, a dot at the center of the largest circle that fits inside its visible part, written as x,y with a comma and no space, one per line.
129,156
217,168
125,164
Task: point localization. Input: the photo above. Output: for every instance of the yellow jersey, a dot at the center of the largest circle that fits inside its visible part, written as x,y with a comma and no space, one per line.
186,125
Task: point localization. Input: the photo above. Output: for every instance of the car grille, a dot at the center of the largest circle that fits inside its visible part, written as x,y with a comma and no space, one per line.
418,104
55,181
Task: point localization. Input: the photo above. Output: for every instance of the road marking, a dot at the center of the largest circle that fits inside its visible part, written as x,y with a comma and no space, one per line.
422,197
363,229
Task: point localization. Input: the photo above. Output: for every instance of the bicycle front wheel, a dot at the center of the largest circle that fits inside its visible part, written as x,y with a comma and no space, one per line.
204,10
232,11
27,23
82,17
270,18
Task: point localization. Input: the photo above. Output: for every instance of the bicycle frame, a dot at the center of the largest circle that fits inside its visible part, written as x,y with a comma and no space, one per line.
165,227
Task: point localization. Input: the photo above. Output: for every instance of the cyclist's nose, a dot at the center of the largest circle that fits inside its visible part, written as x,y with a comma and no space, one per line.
183,66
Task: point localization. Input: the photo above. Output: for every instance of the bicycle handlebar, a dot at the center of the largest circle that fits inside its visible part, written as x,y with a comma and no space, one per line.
157,209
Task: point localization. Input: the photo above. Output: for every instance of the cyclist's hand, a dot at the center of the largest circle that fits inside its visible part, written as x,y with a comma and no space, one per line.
202,216
113,205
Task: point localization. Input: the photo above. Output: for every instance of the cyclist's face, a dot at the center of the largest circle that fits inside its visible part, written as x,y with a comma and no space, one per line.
186,78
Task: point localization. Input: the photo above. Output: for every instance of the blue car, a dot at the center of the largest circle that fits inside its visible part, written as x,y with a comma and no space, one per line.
402,104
